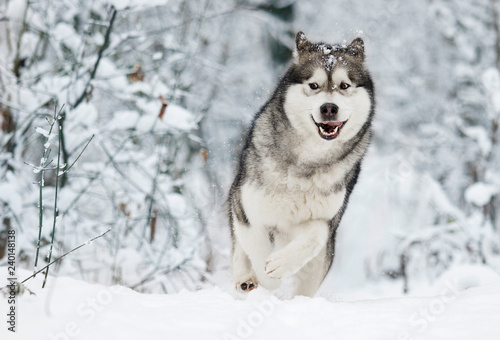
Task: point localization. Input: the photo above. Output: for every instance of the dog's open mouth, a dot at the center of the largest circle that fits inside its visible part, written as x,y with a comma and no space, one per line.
329,130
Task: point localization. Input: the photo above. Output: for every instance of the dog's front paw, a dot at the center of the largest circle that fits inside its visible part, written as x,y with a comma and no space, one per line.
280,265
246,285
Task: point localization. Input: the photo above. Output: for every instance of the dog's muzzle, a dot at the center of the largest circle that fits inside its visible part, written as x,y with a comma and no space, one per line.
329,129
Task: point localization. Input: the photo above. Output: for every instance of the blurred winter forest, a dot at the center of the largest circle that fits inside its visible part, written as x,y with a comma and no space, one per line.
140,108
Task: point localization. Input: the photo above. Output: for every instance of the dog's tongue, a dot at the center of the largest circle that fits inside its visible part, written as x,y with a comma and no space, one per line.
332,124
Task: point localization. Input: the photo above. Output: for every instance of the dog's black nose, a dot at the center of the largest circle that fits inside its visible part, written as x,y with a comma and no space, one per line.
329,111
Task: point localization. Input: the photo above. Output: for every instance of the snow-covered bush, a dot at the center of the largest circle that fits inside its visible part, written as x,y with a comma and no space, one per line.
131,177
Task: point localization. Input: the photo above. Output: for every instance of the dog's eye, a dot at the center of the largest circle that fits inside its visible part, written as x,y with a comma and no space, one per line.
344,86
313,86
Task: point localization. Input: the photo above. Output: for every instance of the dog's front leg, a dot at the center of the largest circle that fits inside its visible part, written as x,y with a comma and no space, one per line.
255,242
308,239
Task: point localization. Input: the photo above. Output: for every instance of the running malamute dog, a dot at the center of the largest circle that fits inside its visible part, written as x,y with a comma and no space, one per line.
299,165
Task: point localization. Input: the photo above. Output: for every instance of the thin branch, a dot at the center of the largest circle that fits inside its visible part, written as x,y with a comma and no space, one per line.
81,153
103,47
45,156
55,205
94,178
188,21
17,58
155,272
151,197
16,218
40,218
65,254
496,27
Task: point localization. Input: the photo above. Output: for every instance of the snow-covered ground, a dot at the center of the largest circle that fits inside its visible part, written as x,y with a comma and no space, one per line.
73,309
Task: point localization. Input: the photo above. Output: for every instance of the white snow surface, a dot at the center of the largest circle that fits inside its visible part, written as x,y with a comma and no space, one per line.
72,309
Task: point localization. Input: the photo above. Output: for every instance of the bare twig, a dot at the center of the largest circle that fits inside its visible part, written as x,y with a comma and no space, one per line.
492,208
17,58
85,91
16,218
164,105
496,27
65,254
55,205
45,156
103,47
151,196
62,148
155,272
94,178
81,153
153,226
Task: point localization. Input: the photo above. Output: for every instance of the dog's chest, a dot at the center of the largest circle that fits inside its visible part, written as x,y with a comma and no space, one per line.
287,198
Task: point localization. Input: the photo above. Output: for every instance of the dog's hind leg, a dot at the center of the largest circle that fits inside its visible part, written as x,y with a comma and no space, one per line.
310,277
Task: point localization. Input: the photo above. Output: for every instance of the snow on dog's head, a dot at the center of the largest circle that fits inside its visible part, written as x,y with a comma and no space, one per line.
329,91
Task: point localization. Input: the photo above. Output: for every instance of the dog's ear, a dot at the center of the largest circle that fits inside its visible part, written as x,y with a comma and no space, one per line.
301,41
357,48
301,44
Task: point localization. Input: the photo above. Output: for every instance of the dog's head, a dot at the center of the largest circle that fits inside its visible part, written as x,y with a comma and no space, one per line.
329,91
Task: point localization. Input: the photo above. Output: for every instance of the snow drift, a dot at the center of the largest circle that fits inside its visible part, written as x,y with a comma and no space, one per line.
73,309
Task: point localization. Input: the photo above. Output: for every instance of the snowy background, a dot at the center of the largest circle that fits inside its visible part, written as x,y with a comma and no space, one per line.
146,103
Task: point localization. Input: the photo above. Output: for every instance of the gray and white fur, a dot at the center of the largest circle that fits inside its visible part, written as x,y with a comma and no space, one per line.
299,165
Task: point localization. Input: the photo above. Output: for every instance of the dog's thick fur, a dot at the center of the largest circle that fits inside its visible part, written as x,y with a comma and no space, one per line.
299,165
